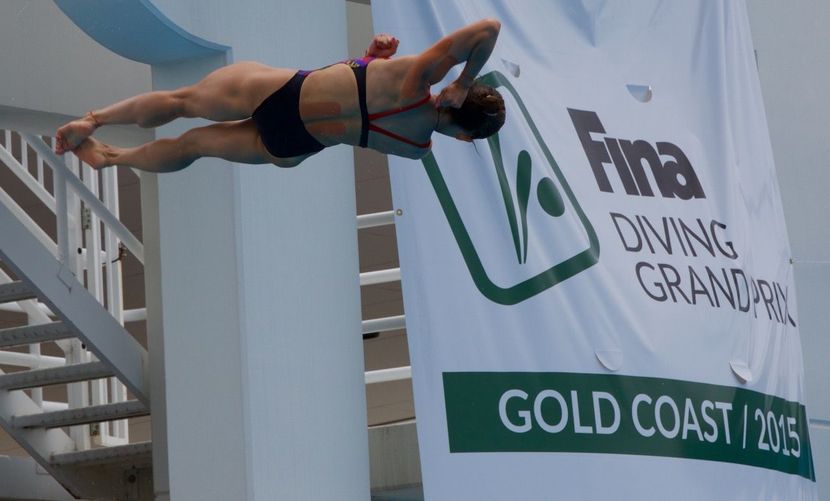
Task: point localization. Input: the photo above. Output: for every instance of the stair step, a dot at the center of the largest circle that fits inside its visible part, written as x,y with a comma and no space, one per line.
34,334
15,291
56,375
84,415
135,453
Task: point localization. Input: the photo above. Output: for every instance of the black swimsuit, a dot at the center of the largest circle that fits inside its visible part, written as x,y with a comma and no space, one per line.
279,123
282,129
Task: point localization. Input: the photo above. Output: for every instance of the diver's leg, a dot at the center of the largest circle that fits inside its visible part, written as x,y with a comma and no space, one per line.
235,141
229,93
146,110
233,92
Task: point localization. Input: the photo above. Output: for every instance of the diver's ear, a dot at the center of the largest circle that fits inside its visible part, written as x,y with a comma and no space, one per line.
464,137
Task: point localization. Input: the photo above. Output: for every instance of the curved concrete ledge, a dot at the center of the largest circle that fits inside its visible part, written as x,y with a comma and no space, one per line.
137,30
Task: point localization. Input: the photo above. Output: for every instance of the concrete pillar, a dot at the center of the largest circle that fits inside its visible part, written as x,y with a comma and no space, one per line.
259,296
260,301
155,334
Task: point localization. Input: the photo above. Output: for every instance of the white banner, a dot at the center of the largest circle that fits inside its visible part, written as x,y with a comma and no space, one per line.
599,300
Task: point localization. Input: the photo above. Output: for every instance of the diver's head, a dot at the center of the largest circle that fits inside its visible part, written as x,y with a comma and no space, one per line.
480,116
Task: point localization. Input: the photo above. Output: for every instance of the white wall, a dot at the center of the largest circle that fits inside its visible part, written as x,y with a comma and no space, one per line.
50,69
793,52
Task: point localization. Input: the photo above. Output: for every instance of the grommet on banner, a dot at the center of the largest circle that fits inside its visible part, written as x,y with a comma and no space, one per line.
399,212
610,359
642,93
511,67
741,371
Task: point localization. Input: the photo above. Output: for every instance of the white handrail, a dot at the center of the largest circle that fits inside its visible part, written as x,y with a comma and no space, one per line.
375,219
103,255
136,315
387,375
39,308
49,406
380,277
384,324
91,201
28,360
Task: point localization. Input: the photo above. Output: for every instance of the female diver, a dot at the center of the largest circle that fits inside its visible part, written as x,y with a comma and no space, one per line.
282,116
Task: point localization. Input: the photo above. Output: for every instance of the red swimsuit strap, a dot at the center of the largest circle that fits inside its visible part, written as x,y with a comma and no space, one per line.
400,138
395,111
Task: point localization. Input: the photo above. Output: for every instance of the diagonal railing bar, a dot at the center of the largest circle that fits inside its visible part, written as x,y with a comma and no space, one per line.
91,201
30,223
30,181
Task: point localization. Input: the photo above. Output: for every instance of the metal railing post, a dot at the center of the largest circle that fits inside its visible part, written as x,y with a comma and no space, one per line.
61,213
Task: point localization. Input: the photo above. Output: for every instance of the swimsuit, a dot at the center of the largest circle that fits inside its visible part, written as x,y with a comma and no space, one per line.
282,129
279,123
358,66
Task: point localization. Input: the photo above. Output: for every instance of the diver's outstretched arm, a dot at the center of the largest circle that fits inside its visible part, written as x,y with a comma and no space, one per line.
472,44
383,45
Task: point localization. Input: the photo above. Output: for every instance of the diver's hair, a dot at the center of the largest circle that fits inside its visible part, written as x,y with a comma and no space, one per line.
482,113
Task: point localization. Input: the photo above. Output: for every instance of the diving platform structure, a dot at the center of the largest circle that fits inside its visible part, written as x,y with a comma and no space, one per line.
240,388
248,391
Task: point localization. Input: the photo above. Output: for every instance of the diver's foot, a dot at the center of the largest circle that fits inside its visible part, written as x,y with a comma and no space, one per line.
71,135
94,153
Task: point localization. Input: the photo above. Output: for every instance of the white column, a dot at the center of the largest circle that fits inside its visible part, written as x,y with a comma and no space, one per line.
155,333
260,312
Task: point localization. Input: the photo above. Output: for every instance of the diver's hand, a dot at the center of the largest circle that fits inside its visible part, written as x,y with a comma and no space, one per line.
452,96
383,45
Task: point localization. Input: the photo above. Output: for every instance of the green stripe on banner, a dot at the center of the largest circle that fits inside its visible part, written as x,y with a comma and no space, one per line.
598,413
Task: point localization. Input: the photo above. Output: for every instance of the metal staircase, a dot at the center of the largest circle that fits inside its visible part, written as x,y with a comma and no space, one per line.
69,285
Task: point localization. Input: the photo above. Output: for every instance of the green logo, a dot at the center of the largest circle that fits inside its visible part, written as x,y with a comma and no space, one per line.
576,245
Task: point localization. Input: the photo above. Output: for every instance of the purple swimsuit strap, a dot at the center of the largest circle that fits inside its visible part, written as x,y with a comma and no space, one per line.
357,62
